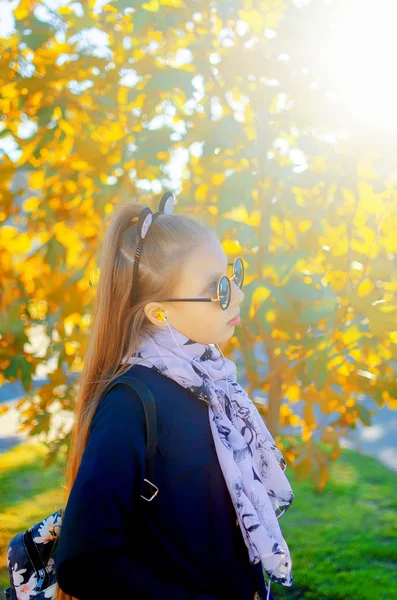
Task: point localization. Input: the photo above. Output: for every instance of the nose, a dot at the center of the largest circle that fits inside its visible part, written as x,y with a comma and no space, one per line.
237,294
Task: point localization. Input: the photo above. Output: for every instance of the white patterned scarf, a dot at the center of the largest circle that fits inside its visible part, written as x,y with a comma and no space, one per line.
251,463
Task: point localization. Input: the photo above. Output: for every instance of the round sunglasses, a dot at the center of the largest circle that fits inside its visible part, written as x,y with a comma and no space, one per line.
223,287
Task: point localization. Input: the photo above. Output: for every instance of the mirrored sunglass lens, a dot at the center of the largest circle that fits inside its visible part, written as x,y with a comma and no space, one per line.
224,292
239,272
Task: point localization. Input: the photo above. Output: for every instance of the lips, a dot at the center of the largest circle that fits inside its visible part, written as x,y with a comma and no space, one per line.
235,317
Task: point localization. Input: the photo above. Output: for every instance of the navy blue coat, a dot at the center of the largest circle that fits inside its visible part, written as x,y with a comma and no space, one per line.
185,543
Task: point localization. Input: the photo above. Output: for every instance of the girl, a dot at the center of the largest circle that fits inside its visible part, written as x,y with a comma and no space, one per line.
164,302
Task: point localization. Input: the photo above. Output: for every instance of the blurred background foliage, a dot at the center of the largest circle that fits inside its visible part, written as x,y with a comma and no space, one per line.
104,101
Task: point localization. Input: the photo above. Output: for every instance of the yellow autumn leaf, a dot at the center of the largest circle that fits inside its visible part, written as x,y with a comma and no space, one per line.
94,276
213,210
71,186
293,393
304,226
79,165
334,362
70,348
218,178
151,6
337,279
253,18
66,127
73,319
368,199
295,420
285,410
201,192
360,218
175,3
4,408
276,225
341,246
271,316
122,95
20,244
344,369
356,354
22,11
260,294
31,204
350,335
289,232
237,213
365,287
254,218
9,91
308,415
231,247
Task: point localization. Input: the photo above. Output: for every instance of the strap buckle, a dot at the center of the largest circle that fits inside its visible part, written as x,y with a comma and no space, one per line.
154,494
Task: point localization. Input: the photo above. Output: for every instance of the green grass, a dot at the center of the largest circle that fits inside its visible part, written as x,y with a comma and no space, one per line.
343,541
28,493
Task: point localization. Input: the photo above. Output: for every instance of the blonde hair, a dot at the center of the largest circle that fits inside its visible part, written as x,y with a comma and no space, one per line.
118,325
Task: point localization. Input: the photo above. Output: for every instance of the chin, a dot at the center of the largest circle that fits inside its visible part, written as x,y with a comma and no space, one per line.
226,337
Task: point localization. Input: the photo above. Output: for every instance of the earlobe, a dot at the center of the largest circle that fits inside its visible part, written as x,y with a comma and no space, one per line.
154,314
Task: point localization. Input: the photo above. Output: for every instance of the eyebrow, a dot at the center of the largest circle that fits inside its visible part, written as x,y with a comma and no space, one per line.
215,276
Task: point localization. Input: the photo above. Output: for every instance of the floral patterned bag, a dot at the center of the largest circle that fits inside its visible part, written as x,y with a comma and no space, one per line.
31,560
31,554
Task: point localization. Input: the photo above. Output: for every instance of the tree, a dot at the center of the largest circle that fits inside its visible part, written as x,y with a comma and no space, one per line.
98,102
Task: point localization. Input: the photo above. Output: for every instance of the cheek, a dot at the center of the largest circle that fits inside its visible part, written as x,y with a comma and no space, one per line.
206,315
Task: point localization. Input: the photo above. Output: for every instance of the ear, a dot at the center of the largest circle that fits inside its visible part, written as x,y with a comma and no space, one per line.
151,309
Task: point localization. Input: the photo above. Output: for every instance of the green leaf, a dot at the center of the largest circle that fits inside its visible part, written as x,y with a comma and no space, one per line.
303,291
169,19
41,33
45,114
122,4
106,101
247,236
364,415
278,295
43,422
133,94
237,189
227,9
226,133
141,18
20,367
316,312
5,132
26,376
261,314
284,262
54,252
150,142
169,79
316,369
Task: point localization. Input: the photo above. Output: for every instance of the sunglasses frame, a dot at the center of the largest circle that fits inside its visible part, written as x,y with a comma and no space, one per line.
217,299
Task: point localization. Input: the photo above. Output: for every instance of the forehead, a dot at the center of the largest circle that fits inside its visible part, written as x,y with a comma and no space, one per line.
205,260
210,254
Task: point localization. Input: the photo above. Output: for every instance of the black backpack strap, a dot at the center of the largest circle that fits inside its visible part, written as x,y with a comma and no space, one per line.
149,406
